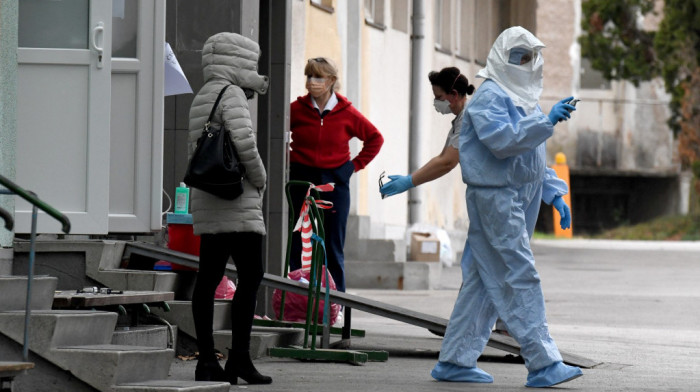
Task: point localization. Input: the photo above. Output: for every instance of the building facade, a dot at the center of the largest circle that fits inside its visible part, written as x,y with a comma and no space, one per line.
617,144
83,119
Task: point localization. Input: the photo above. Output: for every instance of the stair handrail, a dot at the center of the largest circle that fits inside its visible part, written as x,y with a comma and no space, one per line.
7,217
12,188
30,197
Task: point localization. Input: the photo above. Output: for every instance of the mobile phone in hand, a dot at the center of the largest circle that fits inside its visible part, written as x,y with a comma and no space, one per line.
573,102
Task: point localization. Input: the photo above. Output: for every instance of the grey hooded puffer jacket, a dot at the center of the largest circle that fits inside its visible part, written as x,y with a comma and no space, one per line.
229,58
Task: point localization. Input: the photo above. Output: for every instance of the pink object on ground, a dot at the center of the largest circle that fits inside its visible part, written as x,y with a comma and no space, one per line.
295,304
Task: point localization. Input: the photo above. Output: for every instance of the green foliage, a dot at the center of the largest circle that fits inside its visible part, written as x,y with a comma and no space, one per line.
615,43
618,46
696,169
677,46
538,235
673,228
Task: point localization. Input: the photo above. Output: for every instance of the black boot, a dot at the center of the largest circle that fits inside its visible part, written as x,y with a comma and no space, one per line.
209,370
240,365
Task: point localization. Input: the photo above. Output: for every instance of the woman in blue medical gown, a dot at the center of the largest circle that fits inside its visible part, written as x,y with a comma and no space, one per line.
503,162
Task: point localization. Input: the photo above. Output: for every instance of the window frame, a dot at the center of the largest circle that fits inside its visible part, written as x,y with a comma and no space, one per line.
325,5
443,30
372,11
394,14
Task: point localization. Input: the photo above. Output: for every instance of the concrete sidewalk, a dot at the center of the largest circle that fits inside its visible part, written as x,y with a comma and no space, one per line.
634,307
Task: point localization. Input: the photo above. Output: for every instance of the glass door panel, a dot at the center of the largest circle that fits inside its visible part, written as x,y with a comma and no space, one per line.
125,19
42,24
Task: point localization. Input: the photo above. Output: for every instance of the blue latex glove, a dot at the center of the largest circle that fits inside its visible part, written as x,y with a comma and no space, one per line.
564,212
561,111
398,184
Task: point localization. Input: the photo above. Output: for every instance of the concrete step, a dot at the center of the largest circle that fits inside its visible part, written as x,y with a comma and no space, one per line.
172,386
382,250
158,336
105,365
56,328
138,280
13,291
261,339
180,314
58,337
410,275
365,240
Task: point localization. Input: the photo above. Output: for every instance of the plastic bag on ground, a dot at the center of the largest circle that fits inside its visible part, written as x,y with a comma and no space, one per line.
226,289
295,304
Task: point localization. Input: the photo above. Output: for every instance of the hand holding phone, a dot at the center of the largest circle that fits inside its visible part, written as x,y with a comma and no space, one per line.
572,102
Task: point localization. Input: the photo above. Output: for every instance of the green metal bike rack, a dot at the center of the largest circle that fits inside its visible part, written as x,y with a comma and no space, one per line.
311,327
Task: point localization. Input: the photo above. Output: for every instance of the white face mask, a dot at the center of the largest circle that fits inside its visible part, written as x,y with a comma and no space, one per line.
442,106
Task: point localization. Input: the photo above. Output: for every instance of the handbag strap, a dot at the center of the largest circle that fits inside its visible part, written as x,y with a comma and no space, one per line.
213,109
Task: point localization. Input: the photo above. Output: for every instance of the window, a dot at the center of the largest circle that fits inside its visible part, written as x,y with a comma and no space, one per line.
518,13
591,78
483,35
326,5
465,36
374,13
125,18
41,24
443,25
399,15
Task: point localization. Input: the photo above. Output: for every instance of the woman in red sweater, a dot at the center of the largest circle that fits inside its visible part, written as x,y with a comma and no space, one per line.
322,124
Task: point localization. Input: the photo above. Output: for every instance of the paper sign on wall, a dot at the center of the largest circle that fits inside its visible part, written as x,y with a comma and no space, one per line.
175,80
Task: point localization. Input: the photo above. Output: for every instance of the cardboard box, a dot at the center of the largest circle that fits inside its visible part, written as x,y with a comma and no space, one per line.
424,247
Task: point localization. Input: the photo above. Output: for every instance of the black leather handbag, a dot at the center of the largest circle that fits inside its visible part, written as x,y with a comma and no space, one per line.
215,167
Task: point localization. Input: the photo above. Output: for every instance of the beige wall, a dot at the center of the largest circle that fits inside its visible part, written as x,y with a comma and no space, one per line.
314,34
322,38
385,101
624,121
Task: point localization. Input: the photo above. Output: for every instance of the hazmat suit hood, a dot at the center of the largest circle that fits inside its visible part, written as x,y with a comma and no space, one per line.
233,57
522,83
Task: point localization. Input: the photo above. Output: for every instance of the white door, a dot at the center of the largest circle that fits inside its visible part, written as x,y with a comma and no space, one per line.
63,93
136,126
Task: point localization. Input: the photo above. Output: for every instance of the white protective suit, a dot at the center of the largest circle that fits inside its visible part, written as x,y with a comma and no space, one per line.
503,162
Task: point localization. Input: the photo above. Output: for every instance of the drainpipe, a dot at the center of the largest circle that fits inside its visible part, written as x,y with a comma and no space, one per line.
414,136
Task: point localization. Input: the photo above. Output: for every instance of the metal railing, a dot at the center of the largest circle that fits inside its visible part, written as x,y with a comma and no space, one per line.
13,189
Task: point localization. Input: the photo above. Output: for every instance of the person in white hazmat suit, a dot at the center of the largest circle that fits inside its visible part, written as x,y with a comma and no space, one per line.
503,161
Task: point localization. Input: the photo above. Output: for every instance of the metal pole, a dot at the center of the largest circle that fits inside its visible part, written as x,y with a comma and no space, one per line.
417,76
30,277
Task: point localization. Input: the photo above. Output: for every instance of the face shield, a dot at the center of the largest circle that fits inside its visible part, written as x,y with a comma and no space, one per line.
515,64
521,56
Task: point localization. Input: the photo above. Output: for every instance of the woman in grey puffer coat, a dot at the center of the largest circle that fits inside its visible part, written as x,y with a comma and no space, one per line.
232,228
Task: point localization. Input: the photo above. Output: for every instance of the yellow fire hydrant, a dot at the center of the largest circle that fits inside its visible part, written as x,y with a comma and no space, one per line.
562,169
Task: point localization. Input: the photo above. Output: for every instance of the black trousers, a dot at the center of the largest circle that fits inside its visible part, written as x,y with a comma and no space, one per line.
335,219
246,250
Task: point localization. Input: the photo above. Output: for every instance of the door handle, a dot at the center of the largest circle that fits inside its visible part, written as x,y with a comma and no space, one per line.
99,29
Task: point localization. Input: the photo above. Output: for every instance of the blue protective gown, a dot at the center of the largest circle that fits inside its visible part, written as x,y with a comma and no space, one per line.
503,161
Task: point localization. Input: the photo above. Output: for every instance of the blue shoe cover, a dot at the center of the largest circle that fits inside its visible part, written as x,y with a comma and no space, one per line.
551,375
445,371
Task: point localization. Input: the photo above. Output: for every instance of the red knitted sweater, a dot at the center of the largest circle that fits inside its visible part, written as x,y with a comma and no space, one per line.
323,142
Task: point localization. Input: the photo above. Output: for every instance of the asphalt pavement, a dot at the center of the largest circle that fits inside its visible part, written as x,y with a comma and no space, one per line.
632,306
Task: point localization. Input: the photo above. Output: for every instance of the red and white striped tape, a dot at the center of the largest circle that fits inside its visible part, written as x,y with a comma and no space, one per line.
304,222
